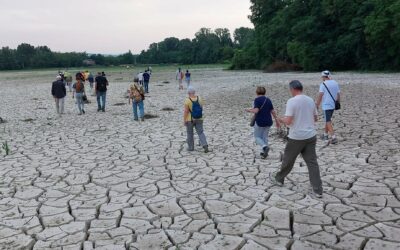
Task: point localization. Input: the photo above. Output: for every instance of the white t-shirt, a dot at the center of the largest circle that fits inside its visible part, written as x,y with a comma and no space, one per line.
140,76
327,101
303,110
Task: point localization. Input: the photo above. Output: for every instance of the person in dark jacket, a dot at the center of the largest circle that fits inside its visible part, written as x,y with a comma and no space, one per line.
101,91
146,80
59,92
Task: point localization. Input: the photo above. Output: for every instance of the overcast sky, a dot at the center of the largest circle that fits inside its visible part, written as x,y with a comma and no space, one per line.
113,26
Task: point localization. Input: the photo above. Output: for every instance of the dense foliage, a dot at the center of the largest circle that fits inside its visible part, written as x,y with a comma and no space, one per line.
320,34
292,34
28,56
208,46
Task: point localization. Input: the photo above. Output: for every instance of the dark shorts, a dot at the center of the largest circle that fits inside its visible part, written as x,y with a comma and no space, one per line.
328,115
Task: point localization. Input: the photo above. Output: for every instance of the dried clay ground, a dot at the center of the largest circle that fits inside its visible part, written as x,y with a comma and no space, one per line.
103,181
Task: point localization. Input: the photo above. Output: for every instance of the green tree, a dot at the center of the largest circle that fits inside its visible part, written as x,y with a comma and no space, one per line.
383,34
208,46
8,59
186,50
334,34
25,52
243,36
224,37
127,58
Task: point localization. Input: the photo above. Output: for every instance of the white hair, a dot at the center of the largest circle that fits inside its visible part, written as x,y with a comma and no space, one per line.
191,90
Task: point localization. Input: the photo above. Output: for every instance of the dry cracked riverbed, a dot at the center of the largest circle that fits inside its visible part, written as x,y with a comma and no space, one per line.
102,181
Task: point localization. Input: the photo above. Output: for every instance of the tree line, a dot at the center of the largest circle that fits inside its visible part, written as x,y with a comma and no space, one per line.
208,46
26,56
288,34
323,34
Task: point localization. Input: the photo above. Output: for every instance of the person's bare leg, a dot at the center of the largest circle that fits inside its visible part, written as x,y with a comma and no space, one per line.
332,133
329,129
326,130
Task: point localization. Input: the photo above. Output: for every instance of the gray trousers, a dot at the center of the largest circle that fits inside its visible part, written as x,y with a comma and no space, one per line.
59,105
307,149
198,125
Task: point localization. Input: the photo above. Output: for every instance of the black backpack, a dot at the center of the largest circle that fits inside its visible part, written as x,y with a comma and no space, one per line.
101,83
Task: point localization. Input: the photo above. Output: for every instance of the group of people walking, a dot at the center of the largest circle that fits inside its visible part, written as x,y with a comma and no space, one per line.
144,79
100,83
181,76
300,117
59,92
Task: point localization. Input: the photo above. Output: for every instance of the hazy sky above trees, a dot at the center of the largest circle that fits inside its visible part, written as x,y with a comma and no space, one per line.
113,26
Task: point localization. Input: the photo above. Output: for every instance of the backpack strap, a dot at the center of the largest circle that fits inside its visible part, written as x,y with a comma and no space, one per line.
138,90
265,101
334,100
197,100
192,105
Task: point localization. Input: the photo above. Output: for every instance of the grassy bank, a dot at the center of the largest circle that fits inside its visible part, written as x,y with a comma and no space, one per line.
111,70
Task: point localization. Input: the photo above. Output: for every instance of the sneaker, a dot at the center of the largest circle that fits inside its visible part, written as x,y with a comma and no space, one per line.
324,137
142,119
136,119
274,181
98,110
103,110
334,141
206,149
315,195
83,111
265,151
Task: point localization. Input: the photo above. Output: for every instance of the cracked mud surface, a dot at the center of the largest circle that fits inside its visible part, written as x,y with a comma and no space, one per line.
102,181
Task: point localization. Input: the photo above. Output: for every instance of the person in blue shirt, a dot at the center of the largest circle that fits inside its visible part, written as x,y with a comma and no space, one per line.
187,78
263,110
91,80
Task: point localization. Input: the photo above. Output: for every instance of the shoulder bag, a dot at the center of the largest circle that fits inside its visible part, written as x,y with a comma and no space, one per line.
337,103
253,119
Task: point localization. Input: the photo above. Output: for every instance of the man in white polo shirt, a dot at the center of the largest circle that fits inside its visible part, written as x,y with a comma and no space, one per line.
329,93
300,117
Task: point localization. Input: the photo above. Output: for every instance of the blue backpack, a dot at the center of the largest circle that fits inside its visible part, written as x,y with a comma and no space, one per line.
197,109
